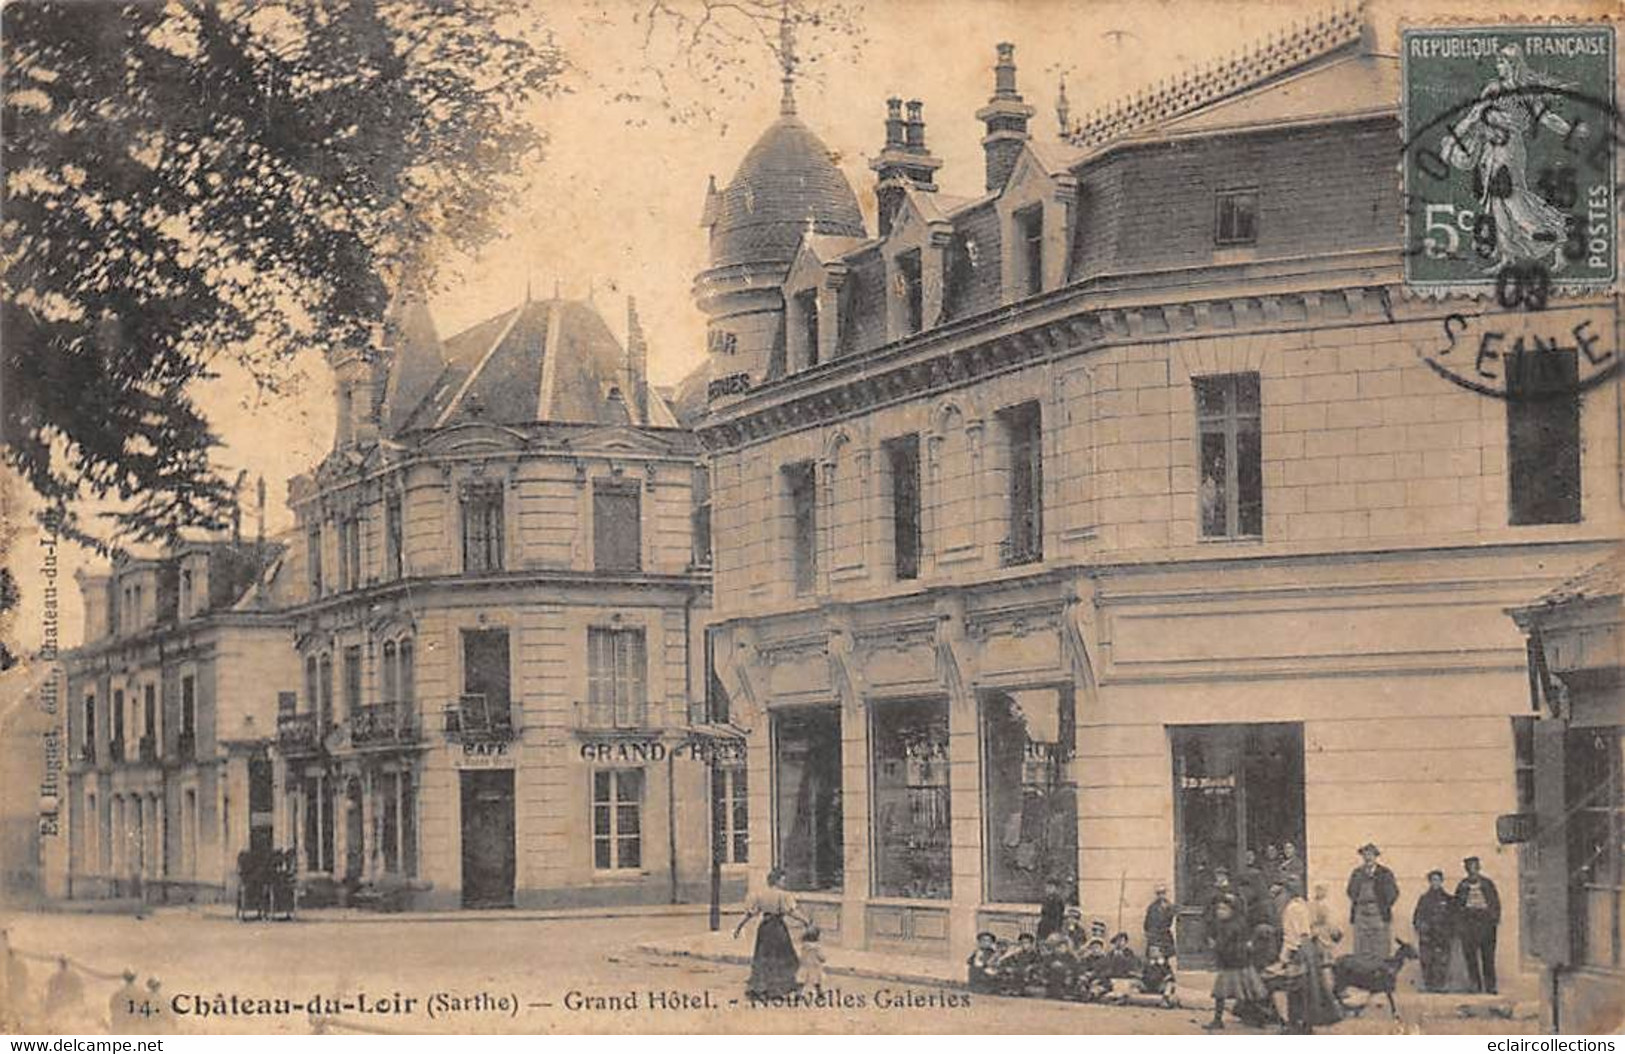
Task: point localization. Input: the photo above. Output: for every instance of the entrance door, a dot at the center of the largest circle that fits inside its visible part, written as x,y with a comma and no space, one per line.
1236,788
488,839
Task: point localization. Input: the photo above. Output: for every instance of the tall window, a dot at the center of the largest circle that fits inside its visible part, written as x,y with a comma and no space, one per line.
617,820
352,553
807,312
188,740
313,558
325,705
398,673
616,678
1236,217
395,822
312,681
149,722
1543,436
1230,494
394,538
617,528
700,520
406,678
1032,811
318,824
185,600
117,745
730,814
1596,820
903,459
391,685
910,780
88,739
807,804
717,704
1030,243
911,288
801,483
486,677
1023,433
482,527
352,681
961,272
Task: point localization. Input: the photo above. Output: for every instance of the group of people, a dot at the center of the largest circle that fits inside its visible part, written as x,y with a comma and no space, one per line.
61,1006
1070,963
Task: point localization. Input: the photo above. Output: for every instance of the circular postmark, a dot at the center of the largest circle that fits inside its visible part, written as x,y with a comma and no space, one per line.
1510,201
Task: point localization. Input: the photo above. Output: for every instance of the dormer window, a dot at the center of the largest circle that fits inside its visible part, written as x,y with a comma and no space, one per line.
807,315
1030,246
911,289
1236,219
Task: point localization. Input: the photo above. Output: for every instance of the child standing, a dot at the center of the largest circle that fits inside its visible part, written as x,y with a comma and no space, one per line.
812,960
1237,979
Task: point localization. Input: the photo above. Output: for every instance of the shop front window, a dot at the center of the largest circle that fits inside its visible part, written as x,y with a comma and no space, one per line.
1596,793
1032,809
912,846
807,802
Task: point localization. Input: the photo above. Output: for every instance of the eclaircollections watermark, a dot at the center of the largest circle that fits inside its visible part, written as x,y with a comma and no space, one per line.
50,692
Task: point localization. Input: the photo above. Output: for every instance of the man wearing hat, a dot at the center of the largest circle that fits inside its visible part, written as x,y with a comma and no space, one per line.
1434,922
1372,891
1478,915
1159,922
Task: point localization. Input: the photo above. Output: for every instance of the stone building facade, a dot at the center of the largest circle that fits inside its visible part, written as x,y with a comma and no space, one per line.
501,623
169,717
1108,525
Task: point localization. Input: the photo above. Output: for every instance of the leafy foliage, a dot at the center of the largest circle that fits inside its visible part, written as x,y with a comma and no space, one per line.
190,180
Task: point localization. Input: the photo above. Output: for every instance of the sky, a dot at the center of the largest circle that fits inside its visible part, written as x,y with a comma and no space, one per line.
614,207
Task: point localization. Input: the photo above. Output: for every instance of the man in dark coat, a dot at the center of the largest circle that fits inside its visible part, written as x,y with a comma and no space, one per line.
1478,915
1159,923
1434,921
1372,891
1051,910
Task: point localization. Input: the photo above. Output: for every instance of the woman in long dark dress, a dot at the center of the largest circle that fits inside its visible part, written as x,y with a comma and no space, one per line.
773,963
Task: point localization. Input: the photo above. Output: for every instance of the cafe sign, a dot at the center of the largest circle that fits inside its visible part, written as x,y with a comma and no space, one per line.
493,754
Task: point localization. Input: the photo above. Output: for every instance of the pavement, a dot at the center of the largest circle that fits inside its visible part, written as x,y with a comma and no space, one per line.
363,915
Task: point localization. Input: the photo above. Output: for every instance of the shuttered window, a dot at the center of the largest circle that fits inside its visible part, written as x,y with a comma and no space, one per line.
617,529
616,678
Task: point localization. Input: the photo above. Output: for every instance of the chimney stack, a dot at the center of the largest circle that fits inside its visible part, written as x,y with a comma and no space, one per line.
637,365
903,162
1005,117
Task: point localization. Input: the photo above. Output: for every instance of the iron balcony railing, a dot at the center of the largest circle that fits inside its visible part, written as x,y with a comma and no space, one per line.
148,748
297,733
383,724
115,748
474,718
600,715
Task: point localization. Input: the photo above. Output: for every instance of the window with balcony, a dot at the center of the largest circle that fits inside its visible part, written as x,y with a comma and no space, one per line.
617,819
482,527
1024,435
801,485
903,463
1543,436
1030,246
1230,491
617,675
486,683
394,538
1236,217
324,707
730,814
617,527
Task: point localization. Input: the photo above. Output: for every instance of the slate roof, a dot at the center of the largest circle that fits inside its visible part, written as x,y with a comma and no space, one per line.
1602,581
787,179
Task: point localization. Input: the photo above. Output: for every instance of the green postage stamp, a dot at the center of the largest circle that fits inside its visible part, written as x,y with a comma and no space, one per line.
1511,140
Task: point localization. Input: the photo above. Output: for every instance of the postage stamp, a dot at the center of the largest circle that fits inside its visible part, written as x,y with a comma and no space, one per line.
1510,159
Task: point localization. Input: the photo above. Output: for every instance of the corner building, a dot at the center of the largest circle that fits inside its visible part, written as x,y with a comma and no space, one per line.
501,616
1107,525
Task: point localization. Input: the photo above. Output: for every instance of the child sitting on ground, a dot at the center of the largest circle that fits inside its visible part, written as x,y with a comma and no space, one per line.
1059,971
1122,969
1016,964
1157,978
984,963
1092,973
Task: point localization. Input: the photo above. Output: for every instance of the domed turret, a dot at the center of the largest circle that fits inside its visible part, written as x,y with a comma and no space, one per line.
786,185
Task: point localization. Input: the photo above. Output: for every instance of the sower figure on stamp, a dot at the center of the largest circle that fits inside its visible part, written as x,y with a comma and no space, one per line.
1494,149
1434,921
1372,891
1478,915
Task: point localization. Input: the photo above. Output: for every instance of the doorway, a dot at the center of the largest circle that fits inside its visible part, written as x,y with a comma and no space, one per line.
488,839
1237,788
